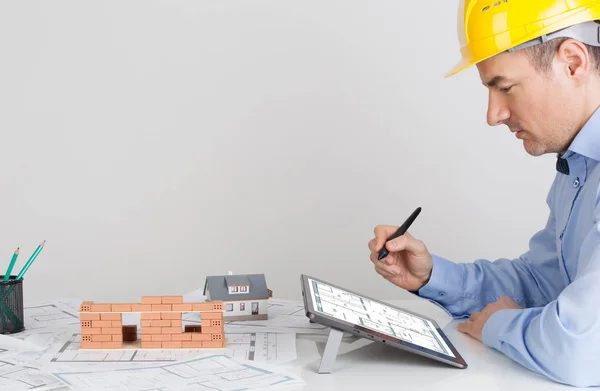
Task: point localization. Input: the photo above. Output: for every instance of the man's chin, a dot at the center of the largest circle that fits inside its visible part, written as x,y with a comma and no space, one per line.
533,148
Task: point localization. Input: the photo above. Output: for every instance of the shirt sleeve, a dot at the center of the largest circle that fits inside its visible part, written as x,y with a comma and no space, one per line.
532,280
562,339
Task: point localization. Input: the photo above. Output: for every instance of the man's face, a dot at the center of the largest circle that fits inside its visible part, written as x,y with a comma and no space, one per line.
542,109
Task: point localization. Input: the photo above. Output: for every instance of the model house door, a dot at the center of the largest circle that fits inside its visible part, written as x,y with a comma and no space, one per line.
254,308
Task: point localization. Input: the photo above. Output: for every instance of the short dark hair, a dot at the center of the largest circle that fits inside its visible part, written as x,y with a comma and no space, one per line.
541,55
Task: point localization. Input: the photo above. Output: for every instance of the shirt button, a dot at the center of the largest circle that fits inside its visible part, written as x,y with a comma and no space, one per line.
441,294
576,182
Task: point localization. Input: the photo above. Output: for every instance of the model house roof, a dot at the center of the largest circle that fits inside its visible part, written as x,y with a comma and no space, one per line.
218,286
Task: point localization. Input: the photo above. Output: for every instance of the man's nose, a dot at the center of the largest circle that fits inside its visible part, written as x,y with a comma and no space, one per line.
498,111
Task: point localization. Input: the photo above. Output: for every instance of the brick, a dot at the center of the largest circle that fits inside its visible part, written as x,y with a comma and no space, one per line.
151,345
212,344
191,344
161,323
161,338
110,316
86,323
86,306
200,337
217,305
171,330
117,338
101,307
161,307
151,300
182,307
130,328
176,323
112,330
211,315
150,315
151,330
93,331
129,337
170,315
216,322
172,299
86,338
91,345
101,323
141,307
84,316
112,345
116,323
206,322
202,306
146,338
216,337
181,337
146,323
101,338
171,345
212,330
121,307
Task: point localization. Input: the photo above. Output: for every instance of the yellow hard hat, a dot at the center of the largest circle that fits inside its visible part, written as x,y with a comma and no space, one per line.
489,27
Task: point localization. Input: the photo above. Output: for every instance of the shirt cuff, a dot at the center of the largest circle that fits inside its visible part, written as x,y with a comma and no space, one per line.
445,284
496,324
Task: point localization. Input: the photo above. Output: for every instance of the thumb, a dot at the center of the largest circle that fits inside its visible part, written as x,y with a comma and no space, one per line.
406,242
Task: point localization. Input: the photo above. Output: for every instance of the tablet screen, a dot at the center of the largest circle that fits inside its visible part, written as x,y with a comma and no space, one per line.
381,318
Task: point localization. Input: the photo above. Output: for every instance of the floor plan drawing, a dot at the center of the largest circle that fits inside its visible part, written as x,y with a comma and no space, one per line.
17,378
259,347
216,373
48,316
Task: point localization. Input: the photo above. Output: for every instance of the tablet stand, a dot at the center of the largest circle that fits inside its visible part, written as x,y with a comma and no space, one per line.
331,350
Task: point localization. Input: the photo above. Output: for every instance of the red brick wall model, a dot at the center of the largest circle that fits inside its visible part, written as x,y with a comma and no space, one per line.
161,324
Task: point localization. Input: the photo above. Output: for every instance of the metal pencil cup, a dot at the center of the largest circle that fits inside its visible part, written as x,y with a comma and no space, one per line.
11,306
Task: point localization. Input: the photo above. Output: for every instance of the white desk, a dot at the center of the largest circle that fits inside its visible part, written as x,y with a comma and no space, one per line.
363,363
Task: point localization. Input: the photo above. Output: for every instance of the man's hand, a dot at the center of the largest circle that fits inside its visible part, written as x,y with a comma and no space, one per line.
474,326
408,264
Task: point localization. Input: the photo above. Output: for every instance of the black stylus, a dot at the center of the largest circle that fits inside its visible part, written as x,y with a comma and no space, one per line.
399,232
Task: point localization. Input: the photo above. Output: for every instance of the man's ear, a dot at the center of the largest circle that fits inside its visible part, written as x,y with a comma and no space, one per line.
573,58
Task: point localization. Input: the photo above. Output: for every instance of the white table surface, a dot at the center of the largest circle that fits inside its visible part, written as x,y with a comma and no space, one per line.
362,364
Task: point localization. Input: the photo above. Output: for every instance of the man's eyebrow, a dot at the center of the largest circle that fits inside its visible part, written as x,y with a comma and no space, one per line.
495,80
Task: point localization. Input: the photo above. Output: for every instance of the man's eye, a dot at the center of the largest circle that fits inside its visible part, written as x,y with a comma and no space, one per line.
505,89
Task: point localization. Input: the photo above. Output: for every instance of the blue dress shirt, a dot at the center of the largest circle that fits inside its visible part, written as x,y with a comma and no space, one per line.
557,281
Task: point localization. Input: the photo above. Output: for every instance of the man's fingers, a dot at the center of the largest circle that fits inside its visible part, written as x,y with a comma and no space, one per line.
475,316
382,233
372,244
464,327
388,271
406,242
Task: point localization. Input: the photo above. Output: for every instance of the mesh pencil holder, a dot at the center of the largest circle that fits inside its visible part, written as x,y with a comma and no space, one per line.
11,306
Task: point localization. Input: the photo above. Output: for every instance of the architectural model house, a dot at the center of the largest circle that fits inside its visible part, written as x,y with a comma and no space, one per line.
244,296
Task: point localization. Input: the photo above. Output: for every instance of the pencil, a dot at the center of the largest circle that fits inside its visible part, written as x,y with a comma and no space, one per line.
11,265
30,261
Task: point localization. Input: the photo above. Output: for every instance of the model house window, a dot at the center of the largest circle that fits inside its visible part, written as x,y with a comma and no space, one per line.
243,289
229,306
234,289
242,306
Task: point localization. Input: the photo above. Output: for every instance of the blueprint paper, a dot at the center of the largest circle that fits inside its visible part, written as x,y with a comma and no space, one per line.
253,347
16,377
217,373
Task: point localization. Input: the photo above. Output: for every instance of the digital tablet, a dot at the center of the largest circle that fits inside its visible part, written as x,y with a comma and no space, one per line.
339,308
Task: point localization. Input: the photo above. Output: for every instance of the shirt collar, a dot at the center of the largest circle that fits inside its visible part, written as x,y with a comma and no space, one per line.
587,141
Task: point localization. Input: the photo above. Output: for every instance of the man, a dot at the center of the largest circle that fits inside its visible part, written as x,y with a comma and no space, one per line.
541,309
